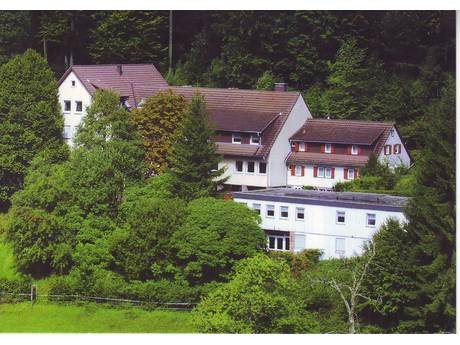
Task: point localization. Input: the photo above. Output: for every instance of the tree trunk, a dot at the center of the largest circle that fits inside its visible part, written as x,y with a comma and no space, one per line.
45,52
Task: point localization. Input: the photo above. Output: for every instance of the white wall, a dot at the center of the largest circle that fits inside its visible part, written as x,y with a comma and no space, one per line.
395,160
319,227
73,93
277,175
310,180
244,178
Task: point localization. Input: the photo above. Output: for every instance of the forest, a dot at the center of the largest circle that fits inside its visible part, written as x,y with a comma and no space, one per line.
94,219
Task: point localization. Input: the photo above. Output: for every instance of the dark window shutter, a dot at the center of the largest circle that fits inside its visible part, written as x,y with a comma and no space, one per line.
349,150
292,170
356,173
332,148
360,151
332,172
302,171
296,147
345,173
322,148
315,171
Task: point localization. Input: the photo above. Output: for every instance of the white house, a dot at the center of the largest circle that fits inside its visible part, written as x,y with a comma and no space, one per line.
324,152
252,131
134,82
337,223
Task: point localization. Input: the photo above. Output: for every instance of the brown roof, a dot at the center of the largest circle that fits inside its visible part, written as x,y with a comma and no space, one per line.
137,81
326,159
240,110
343,131
243,150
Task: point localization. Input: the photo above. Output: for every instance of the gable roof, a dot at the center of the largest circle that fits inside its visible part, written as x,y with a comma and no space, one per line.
238,110
137,81
343,131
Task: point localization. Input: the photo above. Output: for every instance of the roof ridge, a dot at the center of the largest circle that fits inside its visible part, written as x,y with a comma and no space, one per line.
355,121
235,89
114,64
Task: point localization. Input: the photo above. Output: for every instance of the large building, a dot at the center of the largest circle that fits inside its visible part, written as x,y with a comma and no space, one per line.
134,82
339,224
324,152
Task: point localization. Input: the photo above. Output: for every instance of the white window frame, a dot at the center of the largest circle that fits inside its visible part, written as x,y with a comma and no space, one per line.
258,168
298,170
255,136
76,108
326,146
352,175
67,132
398,146
337,213
270,208
70,110
297,209
337,249
369,217
326,175
321,169
302,146
281,212
354,149
236,167
277,237
257,207
387,150
235,136
254,167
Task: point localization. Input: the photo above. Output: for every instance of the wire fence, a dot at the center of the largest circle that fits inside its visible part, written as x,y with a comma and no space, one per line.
33,296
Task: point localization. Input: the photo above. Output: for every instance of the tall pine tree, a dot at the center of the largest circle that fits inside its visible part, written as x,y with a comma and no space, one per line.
193,158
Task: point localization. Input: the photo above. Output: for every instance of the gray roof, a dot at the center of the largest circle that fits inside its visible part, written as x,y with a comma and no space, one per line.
370,201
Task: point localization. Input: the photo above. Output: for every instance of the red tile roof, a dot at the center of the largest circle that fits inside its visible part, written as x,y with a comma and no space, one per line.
343,131
137,81
313,158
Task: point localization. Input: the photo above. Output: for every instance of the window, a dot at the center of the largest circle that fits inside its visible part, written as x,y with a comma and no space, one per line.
78,106
215,167
340,245
262,168
300,213
256,208
251,167
351,174
302,146
239,166
370,219
340,219
284,212
255,140
270,210
328,148
236,139
387,150
67,132
320,172
298,170
278,242
354,149
397,149
328,172
67,106
73,83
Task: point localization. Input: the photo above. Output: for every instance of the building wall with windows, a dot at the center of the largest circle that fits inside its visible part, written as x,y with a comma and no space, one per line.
239,171
326,176
74,99
394,152
338,230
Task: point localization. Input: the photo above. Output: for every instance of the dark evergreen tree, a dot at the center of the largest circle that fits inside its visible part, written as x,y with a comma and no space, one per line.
193,159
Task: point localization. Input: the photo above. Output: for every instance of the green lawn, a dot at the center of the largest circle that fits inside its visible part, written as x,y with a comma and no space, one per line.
91,318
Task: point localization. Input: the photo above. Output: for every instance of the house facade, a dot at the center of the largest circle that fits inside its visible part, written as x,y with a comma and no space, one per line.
324,152
134,82
252,132
339,224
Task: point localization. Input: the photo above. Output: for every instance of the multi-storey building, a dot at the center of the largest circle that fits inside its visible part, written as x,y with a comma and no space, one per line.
339,224
324,152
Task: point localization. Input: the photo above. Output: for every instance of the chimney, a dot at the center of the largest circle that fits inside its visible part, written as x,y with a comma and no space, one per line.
120,69
281,87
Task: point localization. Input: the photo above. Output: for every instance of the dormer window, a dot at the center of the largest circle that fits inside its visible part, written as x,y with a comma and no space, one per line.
328,148
255,140
302,146
354,149
236,139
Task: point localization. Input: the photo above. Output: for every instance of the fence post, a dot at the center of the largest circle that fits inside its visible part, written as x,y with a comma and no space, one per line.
33,294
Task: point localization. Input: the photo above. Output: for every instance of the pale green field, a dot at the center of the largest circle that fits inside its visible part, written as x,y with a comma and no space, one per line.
90,318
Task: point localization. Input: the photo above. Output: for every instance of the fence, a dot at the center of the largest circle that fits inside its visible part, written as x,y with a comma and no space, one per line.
34,296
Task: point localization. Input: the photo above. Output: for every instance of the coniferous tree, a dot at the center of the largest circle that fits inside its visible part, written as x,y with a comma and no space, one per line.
193,159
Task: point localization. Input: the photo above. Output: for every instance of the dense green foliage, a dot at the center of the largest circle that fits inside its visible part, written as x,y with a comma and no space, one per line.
30,118
157,123
193,159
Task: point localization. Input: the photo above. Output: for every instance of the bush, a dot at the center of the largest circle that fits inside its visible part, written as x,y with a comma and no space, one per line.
299,262
14,287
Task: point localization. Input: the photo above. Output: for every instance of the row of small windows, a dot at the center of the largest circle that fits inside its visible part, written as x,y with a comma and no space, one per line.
254,140
282,243
323,172
250,167
78,106
300,214
325,148
396,149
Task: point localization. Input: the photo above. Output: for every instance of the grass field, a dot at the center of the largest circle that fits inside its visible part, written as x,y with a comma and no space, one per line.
90,318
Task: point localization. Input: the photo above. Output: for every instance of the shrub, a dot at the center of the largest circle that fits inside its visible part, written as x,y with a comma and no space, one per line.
299,262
